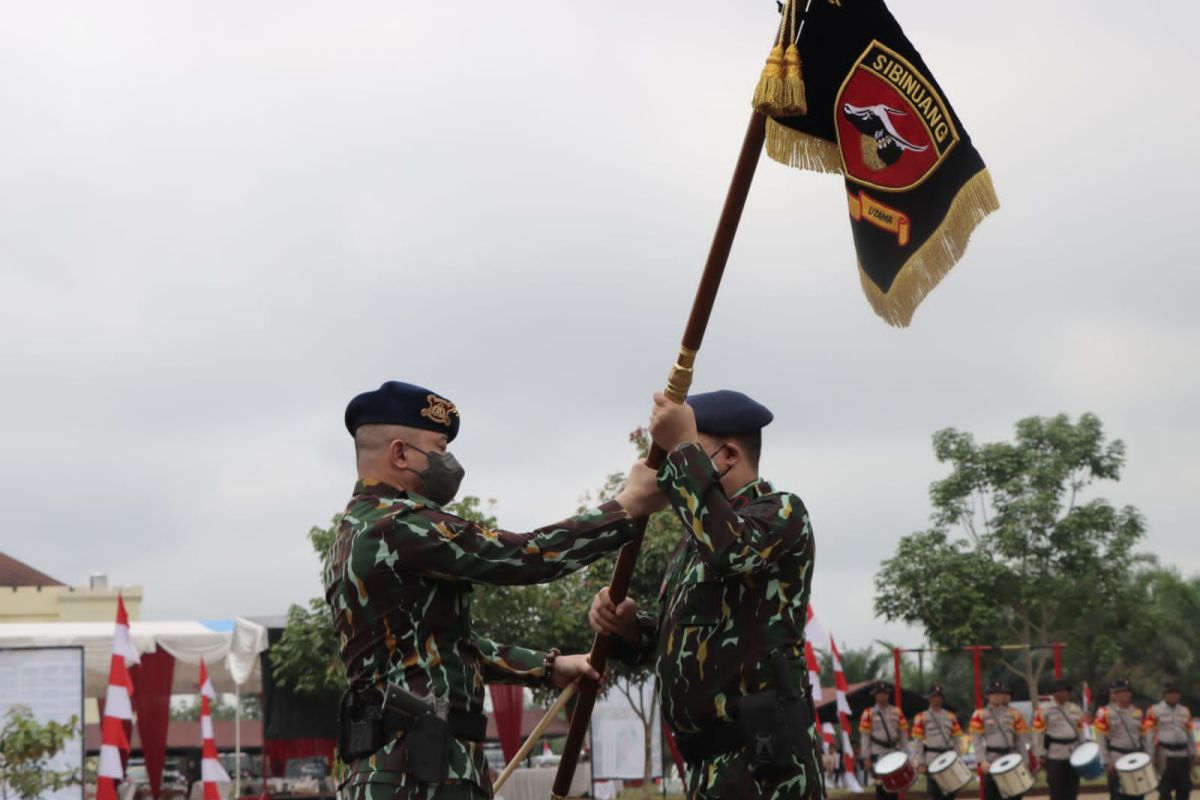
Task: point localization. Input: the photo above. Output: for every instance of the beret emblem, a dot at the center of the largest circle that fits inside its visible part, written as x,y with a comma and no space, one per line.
439,410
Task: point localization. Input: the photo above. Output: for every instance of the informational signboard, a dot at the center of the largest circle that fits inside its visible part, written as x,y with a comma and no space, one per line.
49,681
619,736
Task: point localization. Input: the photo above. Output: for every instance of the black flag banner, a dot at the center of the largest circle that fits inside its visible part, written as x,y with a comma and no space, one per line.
915,185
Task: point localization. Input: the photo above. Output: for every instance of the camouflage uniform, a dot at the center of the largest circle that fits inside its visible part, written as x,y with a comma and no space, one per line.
398,580
735,591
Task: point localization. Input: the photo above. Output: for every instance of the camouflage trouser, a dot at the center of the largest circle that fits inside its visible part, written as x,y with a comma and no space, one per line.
401,790
729,777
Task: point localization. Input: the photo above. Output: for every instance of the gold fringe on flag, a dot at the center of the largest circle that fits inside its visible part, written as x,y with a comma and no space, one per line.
926,268
795,149
780,91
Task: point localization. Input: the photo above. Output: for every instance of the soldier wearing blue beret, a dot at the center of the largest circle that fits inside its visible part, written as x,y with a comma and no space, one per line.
727,637
398,580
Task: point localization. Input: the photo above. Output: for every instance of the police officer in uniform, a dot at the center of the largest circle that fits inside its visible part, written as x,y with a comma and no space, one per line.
934,731
1119,732
883,729
398,581
1169,728
727,637
996,730
1058,725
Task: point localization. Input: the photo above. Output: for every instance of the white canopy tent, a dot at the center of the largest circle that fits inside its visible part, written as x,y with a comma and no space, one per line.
230,649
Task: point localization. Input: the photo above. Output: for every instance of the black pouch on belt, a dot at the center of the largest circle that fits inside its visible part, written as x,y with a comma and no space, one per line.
426,735
360,727
775,723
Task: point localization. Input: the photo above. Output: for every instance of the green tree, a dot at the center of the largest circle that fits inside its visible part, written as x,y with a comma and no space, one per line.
555,614
26,749
1016,550
221,708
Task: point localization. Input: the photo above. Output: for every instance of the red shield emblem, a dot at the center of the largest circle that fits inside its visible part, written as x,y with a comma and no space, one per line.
893,126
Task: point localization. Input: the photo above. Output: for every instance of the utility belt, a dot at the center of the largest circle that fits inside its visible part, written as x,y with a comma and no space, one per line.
1122,750
929,749
369,720
1176,748
890,745
772,726
1000,751
1061,740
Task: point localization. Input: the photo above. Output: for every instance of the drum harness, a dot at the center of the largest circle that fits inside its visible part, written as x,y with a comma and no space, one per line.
1066,719
890,741
1007,738
1172,750
1125,727
945,736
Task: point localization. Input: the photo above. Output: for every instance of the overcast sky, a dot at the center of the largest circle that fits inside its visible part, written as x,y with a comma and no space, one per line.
221,220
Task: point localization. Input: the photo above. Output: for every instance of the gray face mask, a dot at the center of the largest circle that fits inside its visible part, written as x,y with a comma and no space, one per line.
441,478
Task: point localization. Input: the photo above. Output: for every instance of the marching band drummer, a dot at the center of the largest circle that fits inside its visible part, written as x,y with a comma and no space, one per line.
884,729
1118,732
1058,728
1169,726
996,730
934,731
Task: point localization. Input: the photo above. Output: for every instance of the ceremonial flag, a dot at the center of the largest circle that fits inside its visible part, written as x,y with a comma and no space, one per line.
118,709
211,771
870,109
843,707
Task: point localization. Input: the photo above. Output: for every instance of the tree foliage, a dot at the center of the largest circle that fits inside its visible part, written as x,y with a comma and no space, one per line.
221,708
1017,552
26,749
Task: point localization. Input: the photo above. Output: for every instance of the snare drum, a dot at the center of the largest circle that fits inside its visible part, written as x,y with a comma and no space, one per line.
1086,760
949,772
1012,777
1136,773
895,772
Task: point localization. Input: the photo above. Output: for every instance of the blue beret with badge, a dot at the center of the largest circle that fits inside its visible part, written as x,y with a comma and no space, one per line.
397,403
728,413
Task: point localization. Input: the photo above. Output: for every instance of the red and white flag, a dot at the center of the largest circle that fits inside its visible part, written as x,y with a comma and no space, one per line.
843,707
211,771
118,709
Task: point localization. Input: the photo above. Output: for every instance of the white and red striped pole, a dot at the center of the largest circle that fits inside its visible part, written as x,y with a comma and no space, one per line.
118,709
813,631
211,771
843,707
1087,711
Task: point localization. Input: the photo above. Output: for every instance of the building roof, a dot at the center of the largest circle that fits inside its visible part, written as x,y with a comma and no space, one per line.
18,573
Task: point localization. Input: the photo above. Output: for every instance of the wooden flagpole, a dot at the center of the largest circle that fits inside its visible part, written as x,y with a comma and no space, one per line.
678,384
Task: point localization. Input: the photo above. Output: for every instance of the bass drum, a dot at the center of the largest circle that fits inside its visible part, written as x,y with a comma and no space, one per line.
1136,774
949,772
1086,760
1012,777
895,772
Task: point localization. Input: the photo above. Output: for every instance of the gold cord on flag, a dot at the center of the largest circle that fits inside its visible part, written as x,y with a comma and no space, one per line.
940,252
780,90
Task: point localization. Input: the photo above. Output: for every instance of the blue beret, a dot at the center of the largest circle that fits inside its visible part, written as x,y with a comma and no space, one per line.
397,403
728,413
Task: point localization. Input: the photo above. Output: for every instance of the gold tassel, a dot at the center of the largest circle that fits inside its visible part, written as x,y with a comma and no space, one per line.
768,95
794,103
802,151
941,251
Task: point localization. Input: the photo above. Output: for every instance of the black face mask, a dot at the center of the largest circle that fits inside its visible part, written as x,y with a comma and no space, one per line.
713,458
441,478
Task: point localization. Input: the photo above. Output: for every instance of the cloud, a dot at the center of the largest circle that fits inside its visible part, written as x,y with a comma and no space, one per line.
218,222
